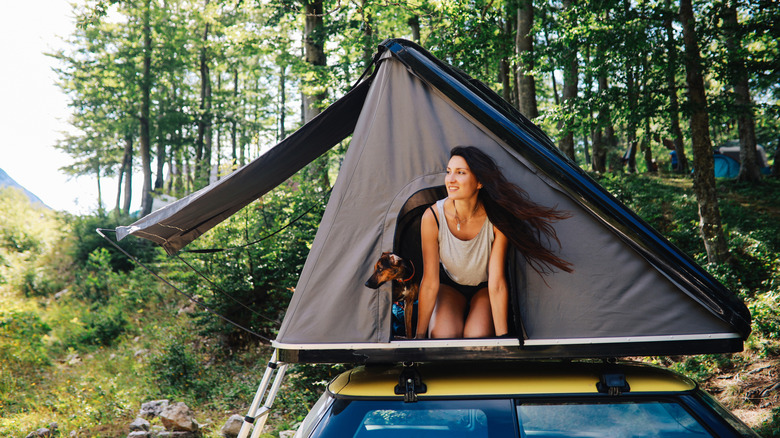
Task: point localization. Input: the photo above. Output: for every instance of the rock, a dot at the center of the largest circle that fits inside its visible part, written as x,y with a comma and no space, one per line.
40,433
232,427
61,294
177,434
152,409
139,434
140,424
72,359
287,434
179,417
141,352
188,309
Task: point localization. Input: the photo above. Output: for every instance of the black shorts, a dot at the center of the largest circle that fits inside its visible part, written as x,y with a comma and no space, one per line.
465,290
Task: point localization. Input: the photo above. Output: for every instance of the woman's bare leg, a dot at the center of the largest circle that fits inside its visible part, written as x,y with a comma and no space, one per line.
447,318
479,322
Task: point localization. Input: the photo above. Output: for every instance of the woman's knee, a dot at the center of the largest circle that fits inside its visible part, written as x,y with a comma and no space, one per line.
479,323
443,331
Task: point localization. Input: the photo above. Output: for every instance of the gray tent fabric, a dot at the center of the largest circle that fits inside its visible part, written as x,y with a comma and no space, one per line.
631,290
612,292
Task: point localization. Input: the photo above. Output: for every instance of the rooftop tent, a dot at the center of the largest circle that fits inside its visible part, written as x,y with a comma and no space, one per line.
632,292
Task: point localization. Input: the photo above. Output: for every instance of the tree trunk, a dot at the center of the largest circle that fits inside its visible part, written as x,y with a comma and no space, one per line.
127,167
120,177
414,24
203,142
570,84
282,101
159,180
99,189
552,75
647,151
368,35
749,170
703,176
234,121
524,43
504,66
671,85
146,86
633,98
602,140
314,55
588,131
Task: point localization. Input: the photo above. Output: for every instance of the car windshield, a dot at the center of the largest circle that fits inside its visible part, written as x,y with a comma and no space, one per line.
425,419
631,419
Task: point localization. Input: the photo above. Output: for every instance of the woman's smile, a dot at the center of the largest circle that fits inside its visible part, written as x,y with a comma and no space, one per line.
460,178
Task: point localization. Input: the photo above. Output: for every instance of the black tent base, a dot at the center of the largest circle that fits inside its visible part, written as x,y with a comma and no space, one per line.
503,349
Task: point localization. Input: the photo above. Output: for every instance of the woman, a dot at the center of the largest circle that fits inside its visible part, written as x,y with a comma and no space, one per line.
465,239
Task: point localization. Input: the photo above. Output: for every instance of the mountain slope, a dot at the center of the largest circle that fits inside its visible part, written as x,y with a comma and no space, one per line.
7,181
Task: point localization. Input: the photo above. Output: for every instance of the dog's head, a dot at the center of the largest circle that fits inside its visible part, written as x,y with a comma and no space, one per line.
389,267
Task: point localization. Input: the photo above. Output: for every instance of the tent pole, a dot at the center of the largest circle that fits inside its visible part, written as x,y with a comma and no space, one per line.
257,417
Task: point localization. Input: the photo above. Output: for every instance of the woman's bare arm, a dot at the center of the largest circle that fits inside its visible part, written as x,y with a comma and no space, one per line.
497,287
429,286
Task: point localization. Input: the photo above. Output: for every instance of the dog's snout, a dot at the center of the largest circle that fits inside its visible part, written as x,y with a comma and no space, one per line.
372,282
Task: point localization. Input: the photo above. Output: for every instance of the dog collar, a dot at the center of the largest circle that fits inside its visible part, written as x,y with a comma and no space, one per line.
411,276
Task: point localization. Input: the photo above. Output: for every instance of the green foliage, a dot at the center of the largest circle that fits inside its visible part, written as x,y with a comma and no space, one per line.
305,383
703,366
86,241
99,326
178,371
766,315
22,355
771,427
38,281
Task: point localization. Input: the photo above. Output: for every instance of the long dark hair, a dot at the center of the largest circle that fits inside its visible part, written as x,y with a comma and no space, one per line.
526,224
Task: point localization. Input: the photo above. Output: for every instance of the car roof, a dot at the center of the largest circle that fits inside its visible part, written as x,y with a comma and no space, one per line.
508,378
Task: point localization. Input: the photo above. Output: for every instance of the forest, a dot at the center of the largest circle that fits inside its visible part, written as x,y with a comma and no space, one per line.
182,92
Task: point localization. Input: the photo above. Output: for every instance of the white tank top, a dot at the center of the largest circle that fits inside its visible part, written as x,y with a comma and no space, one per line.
465,261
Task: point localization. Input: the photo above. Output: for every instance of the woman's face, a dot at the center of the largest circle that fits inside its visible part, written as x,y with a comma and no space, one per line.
460,182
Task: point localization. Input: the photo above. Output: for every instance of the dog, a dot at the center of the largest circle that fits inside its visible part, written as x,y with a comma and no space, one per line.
392,267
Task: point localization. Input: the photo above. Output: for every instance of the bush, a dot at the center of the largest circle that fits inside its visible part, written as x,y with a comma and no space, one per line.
178,370
100,326
87,241
96,277
37,282
771,427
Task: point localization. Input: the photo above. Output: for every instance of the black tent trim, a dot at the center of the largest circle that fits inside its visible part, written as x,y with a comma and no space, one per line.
508,349
530,142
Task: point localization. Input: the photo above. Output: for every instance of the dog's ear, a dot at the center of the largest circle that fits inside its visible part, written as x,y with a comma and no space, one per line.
395,259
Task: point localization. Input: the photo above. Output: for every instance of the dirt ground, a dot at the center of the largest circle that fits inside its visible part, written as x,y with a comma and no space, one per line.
751,392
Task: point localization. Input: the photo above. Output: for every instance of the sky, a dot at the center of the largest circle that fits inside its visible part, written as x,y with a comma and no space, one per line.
33,110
